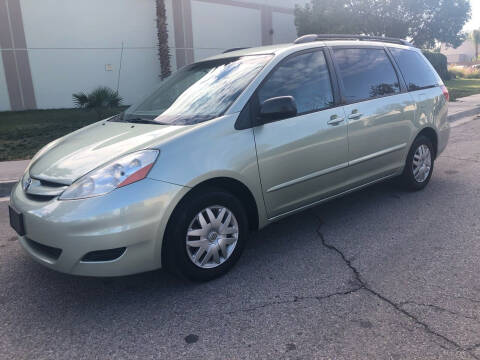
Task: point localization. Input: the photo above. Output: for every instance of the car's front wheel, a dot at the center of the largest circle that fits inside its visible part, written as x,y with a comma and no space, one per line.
206,235
419,165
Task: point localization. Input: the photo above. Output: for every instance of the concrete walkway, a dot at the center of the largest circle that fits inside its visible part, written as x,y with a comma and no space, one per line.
464,107
11,171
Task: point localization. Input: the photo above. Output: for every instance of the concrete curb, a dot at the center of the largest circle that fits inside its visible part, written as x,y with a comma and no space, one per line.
6,187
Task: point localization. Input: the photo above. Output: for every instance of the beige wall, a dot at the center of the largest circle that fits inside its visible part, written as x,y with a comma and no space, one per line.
284,28
71,42
4,100
233,27
69,46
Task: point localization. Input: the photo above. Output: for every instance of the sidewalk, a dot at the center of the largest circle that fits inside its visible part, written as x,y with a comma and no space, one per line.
11,171
464,107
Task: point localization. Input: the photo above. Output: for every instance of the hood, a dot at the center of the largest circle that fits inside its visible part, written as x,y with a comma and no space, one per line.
80,152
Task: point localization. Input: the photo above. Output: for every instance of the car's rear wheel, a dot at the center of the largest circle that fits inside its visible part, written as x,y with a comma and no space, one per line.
419,165
206,235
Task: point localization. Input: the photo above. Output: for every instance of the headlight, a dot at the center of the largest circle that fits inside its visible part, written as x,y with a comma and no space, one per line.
117,173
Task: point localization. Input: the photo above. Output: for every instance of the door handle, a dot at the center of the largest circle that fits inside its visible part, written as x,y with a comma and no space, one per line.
355,116
335,120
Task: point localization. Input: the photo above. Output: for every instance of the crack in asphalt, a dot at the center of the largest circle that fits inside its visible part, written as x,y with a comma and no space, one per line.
440,309
297,299
363,285
396,306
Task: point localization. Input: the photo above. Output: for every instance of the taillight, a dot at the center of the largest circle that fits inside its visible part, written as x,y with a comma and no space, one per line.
445,92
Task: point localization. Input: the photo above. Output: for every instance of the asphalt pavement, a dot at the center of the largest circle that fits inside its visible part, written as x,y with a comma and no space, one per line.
379,274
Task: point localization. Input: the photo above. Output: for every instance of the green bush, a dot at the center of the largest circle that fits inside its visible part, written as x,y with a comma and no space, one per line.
439,62
100,100
464,72
455,72
473,74
452,74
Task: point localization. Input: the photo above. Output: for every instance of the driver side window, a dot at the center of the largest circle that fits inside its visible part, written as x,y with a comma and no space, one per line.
306,78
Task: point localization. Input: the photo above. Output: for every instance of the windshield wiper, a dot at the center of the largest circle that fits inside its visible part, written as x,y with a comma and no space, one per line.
142,121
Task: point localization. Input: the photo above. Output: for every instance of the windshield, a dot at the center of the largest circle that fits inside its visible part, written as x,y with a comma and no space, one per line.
198,92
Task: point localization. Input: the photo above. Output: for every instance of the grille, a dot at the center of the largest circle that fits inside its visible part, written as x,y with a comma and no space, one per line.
51,184
104,255
43,190
39,197
44,250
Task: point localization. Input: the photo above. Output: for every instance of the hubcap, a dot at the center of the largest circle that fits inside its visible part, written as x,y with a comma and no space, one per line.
422,163
212,236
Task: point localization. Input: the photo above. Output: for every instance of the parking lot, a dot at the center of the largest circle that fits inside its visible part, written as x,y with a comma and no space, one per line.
381,273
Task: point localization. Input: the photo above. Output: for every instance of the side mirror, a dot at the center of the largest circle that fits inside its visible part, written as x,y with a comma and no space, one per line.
277,108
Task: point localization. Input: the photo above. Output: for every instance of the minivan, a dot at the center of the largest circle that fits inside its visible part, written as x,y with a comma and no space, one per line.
229,145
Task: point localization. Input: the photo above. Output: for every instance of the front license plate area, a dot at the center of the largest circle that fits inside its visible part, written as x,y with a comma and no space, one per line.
16,221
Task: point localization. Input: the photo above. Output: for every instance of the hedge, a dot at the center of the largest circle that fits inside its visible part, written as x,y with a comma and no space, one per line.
439,62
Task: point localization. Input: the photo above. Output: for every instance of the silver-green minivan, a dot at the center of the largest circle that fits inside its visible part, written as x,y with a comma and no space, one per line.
228,145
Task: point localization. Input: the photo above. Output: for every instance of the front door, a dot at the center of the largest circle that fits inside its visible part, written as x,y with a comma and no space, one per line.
303,158
379,114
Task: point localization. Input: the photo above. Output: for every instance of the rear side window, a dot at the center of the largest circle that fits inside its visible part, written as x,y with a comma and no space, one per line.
418,74
305,77
366,73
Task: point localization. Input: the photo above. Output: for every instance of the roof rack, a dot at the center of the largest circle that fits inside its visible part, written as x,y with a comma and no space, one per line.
325,37
234,49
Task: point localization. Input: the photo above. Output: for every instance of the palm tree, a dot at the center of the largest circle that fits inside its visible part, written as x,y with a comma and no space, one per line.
476,40
100,100
162,35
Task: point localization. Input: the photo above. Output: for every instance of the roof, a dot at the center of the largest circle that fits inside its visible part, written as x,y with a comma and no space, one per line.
274,49
330,37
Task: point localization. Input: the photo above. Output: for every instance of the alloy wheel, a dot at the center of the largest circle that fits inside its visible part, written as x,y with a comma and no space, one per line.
212,236
422,163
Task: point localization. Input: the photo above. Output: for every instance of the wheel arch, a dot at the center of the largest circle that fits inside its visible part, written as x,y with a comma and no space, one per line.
234,186
432,135
237,188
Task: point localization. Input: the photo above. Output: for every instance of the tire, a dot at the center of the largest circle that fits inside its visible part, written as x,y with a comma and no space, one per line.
414,177
182,259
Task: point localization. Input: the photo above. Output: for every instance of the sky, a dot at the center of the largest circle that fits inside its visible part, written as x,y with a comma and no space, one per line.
474,23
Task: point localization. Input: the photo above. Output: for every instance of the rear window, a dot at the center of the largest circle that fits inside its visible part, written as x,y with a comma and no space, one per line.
416,70
366,73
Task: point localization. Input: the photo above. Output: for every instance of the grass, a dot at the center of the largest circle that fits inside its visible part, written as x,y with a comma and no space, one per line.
462,87
23,133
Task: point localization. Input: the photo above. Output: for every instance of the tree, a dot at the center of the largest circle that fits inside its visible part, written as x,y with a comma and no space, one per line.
438,20
162,36
424,22
476,39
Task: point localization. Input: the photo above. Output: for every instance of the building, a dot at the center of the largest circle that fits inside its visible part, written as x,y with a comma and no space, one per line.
54,48
464,54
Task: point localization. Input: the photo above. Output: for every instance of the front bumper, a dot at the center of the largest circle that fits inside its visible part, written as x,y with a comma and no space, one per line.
133,217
